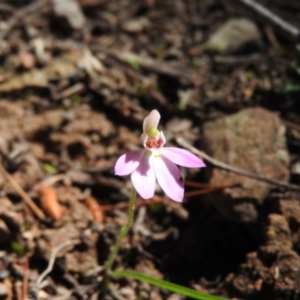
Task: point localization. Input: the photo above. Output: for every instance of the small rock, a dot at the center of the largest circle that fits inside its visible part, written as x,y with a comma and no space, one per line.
253,140
136,25
235,35
70,12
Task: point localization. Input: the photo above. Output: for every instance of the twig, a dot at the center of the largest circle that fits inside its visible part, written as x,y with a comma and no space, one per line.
207,186
76,88
291,125
25,280
138,203
286,27
153,65
22,193
204,189
194,193
23,12
216,163
161,67
54,253
6,7
238,59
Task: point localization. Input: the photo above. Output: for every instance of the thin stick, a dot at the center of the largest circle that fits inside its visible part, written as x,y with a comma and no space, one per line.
219,164
156,66
291,30
21,13
22,193
194,193
206,186
150,64
25,280
54,253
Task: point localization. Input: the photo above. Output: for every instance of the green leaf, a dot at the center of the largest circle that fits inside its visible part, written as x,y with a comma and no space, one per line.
17,248
49,169
290,87
166,285
156,208
198,62
134,63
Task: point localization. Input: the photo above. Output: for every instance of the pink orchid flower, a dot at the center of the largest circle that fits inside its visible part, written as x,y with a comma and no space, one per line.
156,162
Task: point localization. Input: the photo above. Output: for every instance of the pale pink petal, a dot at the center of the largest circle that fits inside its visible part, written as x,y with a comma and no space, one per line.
128,162
182,157
169,178
143,178
151,120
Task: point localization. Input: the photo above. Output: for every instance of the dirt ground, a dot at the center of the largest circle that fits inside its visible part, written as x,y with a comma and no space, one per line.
77,79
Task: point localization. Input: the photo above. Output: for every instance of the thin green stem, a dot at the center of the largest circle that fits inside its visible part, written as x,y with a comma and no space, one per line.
122,233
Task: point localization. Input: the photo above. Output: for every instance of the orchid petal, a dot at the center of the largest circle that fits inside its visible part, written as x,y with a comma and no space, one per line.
143,178
182,157
128,162
169,177
151,121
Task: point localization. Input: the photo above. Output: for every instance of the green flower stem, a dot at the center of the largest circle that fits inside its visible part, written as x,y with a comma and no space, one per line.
122,233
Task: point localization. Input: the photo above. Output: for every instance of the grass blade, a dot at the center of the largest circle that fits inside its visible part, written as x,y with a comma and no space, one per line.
166,285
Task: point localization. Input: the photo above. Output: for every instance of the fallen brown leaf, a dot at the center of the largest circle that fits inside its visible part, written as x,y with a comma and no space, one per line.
49,202
95,209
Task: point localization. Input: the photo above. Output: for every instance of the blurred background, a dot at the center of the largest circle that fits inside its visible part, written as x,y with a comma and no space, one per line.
77,78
